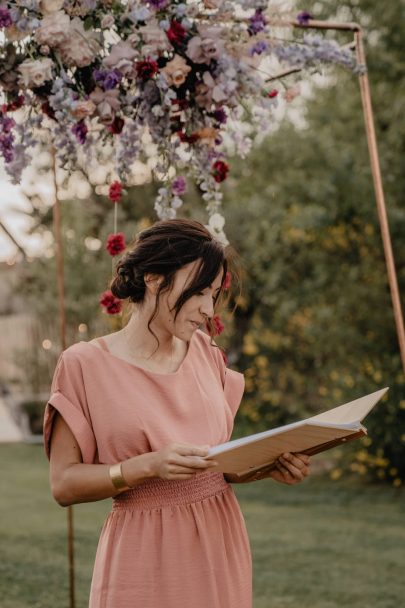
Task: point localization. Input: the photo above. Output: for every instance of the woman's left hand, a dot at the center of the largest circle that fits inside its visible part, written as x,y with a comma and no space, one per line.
291,468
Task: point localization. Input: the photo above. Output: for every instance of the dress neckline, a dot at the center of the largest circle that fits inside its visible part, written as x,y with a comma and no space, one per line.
105,350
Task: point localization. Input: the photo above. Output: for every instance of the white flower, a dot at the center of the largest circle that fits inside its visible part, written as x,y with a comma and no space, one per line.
54,29
35,72
215,225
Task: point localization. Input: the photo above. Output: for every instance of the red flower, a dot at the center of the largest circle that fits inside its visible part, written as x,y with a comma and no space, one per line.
217,326
111,304
116,126
272,93
176,33
220,170
146,69
48,110
16,104
188,139
115,243
115,192
227,281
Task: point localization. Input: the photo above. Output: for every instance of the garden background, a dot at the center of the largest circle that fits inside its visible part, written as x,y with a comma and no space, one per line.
314,328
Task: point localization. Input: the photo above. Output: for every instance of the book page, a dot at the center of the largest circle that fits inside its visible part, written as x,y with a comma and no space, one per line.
351,412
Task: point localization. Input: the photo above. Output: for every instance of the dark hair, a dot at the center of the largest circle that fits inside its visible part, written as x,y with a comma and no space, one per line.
163,249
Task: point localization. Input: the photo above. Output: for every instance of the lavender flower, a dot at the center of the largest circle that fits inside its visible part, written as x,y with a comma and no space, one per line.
257,22
7,137
80,131
107,79
258,48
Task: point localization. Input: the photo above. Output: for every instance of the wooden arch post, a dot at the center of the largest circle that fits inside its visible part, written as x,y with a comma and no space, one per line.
57,230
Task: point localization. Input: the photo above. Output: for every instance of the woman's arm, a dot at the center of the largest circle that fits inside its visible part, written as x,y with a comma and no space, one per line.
73,482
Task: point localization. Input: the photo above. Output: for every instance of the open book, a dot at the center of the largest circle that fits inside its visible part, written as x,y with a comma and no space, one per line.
315,434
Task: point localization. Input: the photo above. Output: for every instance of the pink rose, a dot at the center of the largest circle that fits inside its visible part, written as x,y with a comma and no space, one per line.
54,29
176,71
81,46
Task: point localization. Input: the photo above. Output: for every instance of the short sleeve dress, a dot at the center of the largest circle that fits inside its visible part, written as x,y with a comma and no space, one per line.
165,543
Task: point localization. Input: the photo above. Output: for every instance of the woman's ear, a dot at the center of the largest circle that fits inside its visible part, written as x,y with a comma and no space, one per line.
152,282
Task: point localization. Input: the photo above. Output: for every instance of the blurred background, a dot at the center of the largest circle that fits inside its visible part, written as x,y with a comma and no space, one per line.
314,328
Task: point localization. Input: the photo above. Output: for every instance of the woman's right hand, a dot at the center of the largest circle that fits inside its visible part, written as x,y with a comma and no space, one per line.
181,461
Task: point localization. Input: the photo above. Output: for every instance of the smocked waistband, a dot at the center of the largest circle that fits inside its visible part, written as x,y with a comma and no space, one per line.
155,493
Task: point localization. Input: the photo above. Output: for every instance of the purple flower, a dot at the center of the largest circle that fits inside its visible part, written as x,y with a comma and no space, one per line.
5,17
220,116
258,48
107,79
257,22
80,131
7,137
158,4
304,17
179,185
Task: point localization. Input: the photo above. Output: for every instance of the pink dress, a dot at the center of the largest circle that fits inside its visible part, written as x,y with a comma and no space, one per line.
165,544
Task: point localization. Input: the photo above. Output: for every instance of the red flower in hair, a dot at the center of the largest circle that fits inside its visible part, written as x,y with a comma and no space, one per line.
227,281
115,243
115,192
220,170
111,304
176,33
218,326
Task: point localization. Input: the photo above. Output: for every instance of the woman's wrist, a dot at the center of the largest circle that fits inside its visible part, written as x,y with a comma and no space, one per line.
138,469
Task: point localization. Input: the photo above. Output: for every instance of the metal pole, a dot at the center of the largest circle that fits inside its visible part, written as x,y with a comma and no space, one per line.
62,333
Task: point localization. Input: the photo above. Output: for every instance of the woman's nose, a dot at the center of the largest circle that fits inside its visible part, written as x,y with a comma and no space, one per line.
207,306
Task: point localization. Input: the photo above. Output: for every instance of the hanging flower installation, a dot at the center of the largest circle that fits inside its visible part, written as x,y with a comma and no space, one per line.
101,73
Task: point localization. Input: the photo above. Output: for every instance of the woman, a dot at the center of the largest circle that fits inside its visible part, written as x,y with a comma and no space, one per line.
132,415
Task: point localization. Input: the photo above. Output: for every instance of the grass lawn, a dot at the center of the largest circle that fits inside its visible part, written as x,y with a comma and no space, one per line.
320,544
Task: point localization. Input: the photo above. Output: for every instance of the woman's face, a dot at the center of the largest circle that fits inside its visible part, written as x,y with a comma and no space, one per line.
195,310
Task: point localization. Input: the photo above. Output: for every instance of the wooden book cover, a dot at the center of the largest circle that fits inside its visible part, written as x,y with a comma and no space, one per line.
310,436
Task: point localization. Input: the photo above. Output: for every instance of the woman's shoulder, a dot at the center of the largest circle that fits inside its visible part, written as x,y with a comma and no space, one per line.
79,351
